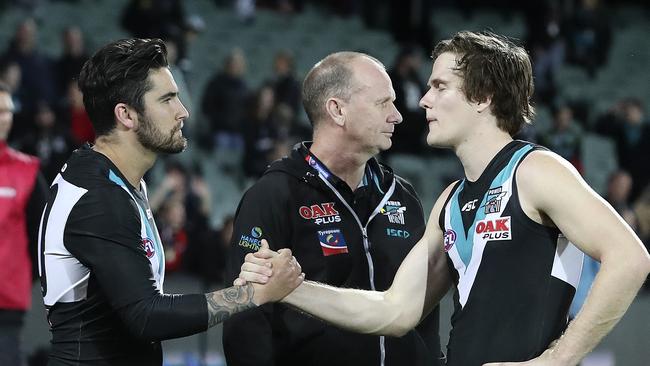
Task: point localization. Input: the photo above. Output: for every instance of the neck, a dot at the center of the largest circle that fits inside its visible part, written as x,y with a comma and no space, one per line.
131,158
478,149
345,163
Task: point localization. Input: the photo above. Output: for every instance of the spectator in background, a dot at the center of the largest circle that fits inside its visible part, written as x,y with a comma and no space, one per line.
285,85
545,40
173,233
154,19
260,132
36,82
410,22
564,137
10,76
74,55
627,126
22,197
224,102
589,35
206,257
80,127
619,187
409,136
51,142
178,184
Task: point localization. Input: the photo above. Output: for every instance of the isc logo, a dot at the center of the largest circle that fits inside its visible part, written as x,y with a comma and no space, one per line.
494,229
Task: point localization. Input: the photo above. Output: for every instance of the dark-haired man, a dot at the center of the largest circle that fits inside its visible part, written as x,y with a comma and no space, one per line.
101,259
503,235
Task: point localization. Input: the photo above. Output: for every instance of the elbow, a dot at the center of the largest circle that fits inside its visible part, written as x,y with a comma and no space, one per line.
641,266
403,319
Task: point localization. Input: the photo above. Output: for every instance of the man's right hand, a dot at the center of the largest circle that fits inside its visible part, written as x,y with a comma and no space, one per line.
273,274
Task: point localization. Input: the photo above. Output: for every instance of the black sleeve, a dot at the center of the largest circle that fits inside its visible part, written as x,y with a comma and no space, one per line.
266,214
103,233
33,212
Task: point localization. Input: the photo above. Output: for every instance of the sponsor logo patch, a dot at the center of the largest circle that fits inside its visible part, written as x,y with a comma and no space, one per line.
256,232
494,229
449,239
252,241
396,233
332,242
493,201
323,213
148,247
469,206
394,211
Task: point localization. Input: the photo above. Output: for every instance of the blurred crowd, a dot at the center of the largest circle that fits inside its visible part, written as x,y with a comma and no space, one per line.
254,125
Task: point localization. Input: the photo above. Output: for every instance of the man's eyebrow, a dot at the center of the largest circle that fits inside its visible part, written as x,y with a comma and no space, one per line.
384,100
437,81
167,96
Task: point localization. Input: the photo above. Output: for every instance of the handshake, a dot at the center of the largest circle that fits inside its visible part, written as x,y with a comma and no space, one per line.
273,275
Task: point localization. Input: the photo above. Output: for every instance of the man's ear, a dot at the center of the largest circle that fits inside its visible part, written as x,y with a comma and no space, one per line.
484,106
335,108
125,116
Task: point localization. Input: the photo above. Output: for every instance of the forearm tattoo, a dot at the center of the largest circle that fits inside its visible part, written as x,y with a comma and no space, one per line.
224,303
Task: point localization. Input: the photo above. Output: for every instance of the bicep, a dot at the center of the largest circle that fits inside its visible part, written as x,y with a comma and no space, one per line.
556,189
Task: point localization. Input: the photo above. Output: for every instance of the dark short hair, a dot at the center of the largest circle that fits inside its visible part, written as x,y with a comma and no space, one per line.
330,77
494,67
4,88
118,73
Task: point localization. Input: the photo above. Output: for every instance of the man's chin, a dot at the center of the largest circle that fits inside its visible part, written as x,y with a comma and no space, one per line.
176,148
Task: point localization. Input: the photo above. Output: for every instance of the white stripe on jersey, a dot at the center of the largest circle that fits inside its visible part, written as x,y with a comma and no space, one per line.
71,281
567,264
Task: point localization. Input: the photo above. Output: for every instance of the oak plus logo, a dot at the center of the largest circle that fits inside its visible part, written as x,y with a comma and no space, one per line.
323,213
494,229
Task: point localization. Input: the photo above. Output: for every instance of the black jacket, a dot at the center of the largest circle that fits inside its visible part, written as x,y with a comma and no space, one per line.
291,206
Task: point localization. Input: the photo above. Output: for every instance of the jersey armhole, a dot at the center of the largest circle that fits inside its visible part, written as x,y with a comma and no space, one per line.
527,220
441,217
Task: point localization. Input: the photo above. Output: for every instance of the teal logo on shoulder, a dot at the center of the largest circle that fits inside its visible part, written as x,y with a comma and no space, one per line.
256,232
252,241
394,211
397,233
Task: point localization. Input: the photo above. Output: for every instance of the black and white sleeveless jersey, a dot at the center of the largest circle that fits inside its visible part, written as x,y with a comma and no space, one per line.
102,269
515,278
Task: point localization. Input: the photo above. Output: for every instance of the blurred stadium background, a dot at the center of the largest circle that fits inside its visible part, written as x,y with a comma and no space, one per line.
239,64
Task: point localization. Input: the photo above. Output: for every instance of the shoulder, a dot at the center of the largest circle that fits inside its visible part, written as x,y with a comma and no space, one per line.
403,184
108,203
22,158
542,167
543,177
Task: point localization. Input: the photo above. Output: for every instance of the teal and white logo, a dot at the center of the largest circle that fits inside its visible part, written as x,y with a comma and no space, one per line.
398,233
395,212
252,241
256,232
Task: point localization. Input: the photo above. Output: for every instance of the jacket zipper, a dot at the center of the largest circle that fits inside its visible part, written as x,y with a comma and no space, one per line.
366,243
